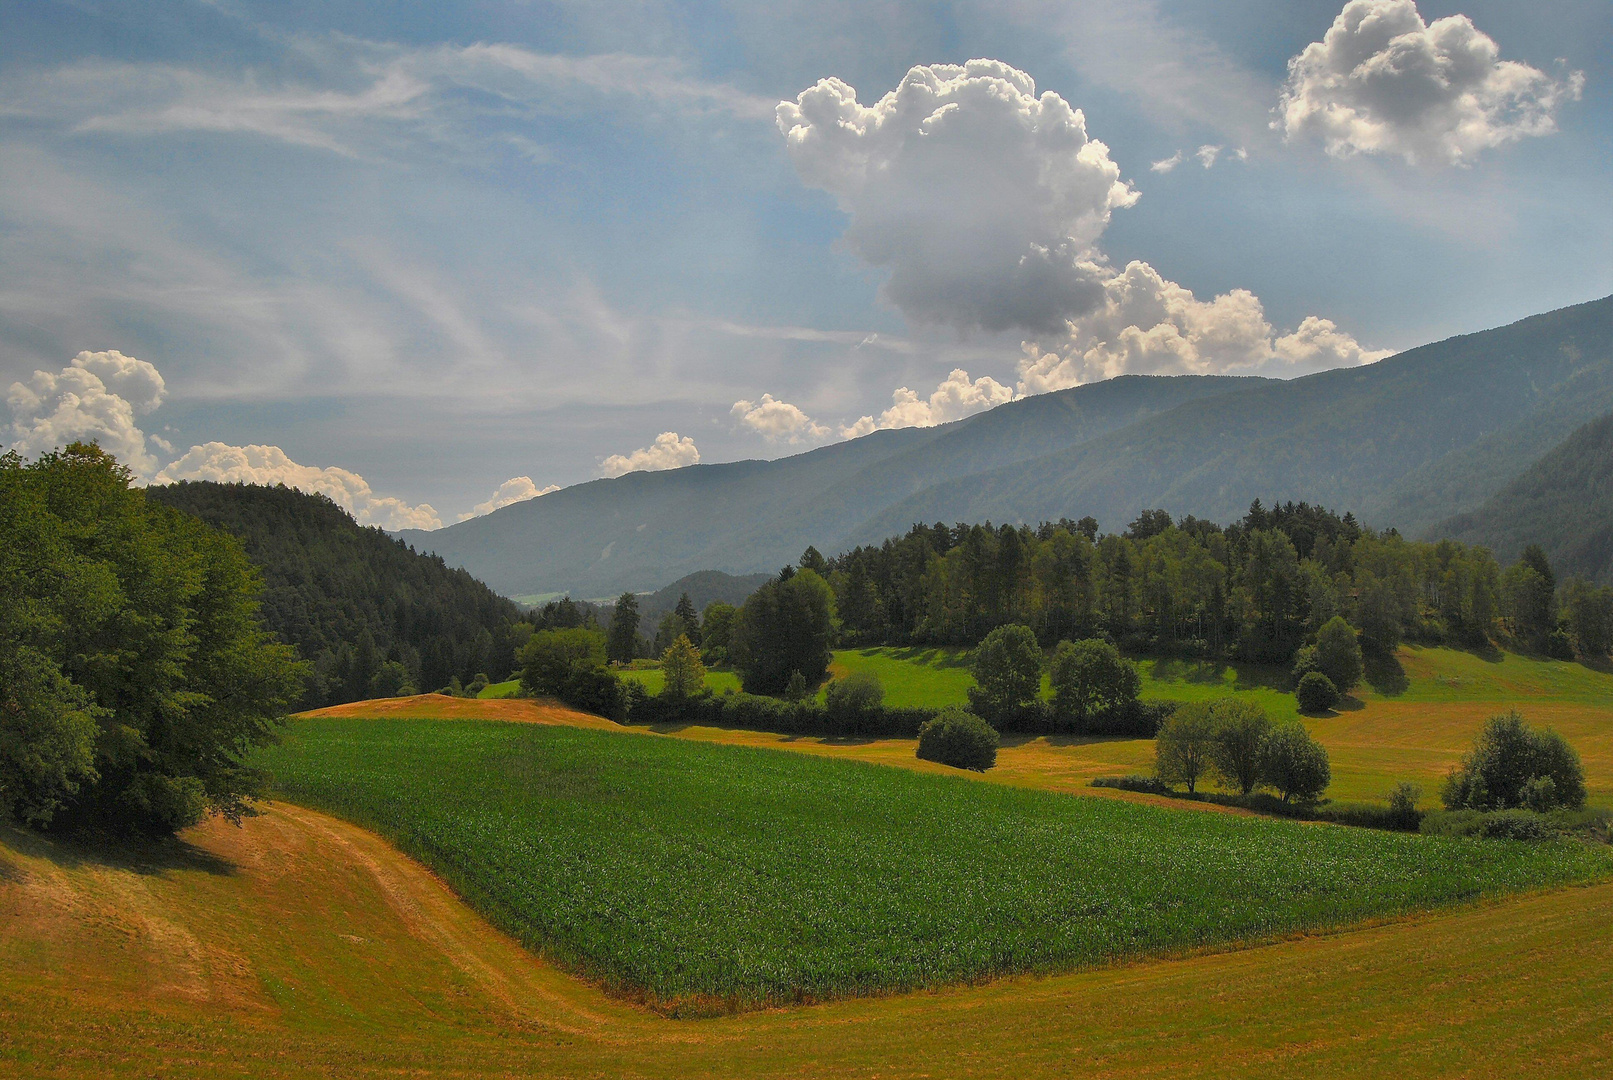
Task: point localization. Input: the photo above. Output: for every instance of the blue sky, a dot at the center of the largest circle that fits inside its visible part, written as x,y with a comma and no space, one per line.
441,245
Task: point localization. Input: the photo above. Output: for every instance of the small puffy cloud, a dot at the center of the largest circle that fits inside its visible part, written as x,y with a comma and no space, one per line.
269,465
778,421
1149,325
955,398
1382,81
96,397
668,451
1207,155
981,198
1165,165
515,489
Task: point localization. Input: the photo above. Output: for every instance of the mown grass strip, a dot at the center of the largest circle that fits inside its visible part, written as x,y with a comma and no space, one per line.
700,877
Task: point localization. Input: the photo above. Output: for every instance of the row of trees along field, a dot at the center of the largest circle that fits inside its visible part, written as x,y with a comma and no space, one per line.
1256,590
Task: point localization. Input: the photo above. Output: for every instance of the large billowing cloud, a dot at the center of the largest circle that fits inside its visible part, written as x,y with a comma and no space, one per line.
1150,325
269,465
982,199
515,489
668,451
778,421
957,396
96,397
1384,81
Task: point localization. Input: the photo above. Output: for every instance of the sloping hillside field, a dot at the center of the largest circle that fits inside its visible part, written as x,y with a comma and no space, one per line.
705,878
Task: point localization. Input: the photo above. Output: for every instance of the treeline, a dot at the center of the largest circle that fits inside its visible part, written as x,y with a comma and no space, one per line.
1255,590
373,617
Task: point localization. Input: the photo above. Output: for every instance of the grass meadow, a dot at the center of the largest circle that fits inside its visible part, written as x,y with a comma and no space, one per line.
653,680
700,877
1412,719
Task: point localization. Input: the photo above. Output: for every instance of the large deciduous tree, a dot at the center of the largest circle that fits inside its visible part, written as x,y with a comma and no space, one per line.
129,630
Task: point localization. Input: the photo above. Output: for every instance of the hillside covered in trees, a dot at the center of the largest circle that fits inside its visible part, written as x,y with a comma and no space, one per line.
370,614
1407,442
1564,503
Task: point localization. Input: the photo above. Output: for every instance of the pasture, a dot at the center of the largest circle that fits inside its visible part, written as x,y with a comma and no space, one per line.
653,680
705,878
1411,720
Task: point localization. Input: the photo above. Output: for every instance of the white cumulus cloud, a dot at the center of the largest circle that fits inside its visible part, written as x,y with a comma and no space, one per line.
981,198
95,397
957,396
778,421
668,451
1384,81
1165,165
269,465
515,489
1150,325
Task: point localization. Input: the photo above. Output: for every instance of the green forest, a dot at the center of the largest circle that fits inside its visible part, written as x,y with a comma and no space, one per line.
372,617
1256,590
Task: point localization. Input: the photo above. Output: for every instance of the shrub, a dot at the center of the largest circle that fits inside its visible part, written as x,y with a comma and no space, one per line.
853,704
958,738
1316,693
1403,799
1491,825
596,690
1182,747
795,688
1507,768
1238,728
1151,785
1091,682
477,685
1294,763
1008,668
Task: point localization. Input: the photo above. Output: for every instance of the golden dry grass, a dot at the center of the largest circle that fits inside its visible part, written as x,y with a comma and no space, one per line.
302,946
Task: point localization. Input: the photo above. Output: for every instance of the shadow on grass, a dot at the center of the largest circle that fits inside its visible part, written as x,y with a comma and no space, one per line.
679,727
139,856
1384,674
1010,739
1347,703
924,656
1214,673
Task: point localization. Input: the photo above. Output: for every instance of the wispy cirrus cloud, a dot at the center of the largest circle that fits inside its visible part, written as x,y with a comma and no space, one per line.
360,98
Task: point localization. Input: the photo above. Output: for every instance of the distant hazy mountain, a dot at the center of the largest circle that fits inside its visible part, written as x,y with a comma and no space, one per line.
643,530
1564,503
1408,442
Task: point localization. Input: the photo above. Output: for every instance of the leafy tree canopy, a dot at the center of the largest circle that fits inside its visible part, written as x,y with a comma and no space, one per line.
135,673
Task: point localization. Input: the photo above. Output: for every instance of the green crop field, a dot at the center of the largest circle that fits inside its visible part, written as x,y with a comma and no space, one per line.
701,876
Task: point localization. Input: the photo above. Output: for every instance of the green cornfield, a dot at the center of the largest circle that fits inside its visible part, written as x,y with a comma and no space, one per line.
700,878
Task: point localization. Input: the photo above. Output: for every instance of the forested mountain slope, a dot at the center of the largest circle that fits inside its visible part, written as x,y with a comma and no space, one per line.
351,598
1406,442
1564,503
1398,441
643,530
